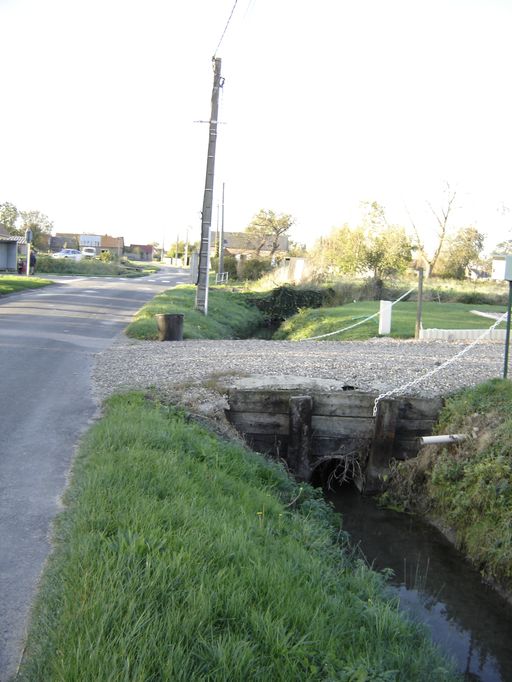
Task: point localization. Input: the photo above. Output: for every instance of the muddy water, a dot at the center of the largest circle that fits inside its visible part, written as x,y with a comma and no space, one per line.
467,619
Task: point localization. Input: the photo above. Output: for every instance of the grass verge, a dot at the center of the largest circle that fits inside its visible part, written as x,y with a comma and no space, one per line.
308,323
180,557
10,284
468,487
229,315
93,267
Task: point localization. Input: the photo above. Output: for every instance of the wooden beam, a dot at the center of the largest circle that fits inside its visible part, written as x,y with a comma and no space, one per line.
299,441
381,451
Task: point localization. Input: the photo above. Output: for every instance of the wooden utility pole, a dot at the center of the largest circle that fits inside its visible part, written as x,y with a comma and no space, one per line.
206,216
419,307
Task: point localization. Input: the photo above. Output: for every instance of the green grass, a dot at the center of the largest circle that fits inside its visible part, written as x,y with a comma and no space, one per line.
10,284
179,557
93,267
229,316
308,323
468,487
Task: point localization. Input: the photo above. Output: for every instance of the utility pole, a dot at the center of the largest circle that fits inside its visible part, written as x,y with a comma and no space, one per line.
206,215
221,239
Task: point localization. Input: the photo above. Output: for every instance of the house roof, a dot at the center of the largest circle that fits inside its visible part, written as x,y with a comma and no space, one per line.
145,248
242,240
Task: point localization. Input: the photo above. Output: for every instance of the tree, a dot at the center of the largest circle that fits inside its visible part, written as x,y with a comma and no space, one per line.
503,248
441,216
374,245
9,215
462,249
268,226
387,251
342,250
40,225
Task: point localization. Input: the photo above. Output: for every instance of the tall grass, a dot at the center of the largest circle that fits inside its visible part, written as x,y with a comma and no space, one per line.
182,558
229,315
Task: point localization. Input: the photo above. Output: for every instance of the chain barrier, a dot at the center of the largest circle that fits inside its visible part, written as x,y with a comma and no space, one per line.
356,324
430,373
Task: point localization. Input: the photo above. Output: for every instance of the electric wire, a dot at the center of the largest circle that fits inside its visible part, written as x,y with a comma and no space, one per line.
225,29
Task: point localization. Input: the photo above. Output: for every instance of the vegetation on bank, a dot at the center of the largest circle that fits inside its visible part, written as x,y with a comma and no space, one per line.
10,284
308,323
467,487
182,557
229,315
93,266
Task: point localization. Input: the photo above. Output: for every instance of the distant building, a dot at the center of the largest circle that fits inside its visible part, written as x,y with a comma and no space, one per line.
73,240
143,252
245,246
9,250
115,245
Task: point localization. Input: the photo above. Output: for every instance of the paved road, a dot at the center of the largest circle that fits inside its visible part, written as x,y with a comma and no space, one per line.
48,338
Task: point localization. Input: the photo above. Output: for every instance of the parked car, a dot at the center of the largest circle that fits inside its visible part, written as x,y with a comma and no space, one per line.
88,252
74,254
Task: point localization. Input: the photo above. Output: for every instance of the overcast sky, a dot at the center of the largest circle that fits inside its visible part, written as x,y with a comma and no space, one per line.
326,104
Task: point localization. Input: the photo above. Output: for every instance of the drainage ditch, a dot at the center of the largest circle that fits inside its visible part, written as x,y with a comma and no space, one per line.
326,433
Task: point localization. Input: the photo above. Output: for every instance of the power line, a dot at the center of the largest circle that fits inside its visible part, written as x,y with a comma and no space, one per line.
225,29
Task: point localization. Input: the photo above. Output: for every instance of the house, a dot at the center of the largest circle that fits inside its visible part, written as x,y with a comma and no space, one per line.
245,246
115,245
9,250
143,252
73,240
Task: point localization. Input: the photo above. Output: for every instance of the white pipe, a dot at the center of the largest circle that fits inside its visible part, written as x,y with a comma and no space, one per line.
453,438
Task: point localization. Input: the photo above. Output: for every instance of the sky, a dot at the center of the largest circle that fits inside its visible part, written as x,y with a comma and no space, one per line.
325,105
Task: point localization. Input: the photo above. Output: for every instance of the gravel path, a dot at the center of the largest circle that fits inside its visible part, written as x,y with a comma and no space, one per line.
374,365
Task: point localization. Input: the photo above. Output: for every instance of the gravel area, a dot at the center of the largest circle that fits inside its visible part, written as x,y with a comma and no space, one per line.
374,365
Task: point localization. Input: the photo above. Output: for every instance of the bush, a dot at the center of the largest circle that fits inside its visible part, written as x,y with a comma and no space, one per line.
283,302
254,268
229,266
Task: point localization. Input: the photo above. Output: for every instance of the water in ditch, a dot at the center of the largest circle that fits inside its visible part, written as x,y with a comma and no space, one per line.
467,619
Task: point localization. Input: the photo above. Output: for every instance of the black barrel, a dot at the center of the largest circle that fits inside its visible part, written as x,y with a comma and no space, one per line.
170,327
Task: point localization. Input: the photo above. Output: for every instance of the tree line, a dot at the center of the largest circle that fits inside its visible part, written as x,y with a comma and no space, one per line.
17,222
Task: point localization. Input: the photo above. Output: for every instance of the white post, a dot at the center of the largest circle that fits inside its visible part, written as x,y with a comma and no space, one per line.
385,317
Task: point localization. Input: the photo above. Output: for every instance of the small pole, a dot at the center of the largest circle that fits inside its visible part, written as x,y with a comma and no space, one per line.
221,239
507,334
177,240
420,304
28,260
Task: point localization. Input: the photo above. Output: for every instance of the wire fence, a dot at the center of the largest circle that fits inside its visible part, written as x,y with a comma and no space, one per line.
418,380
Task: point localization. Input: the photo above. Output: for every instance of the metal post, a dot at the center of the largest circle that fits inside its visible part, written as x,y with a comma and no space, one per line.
206,215
27,272
507,335
221,241
420,304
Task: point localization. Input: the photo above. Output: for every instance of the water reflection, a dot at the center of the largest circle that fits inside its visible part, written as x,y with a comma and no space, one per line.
435,584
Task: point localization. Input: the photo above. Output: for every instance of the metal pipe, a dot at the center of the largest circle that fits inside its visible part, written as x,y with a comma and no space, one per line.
433,440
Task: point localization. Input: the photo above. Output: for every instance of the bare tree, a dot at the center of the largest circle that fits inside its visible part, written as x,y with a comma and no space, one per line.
442,217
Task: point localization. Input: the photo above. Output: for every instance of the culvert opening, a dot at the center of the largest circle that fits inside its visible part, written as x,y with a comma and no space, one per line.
336,475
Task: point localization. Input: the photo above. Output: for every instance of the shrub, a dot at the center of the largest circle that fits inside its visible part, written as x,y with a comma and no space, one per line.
254,268
229,266
283,302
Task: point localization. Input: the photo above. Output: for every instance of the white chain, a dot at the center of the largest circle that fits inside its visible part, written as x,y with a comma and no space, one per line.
356,324
430,373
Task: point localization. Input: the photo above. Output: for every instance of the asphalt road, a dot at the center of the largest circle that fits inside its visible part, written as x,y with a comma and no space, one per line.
48,339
